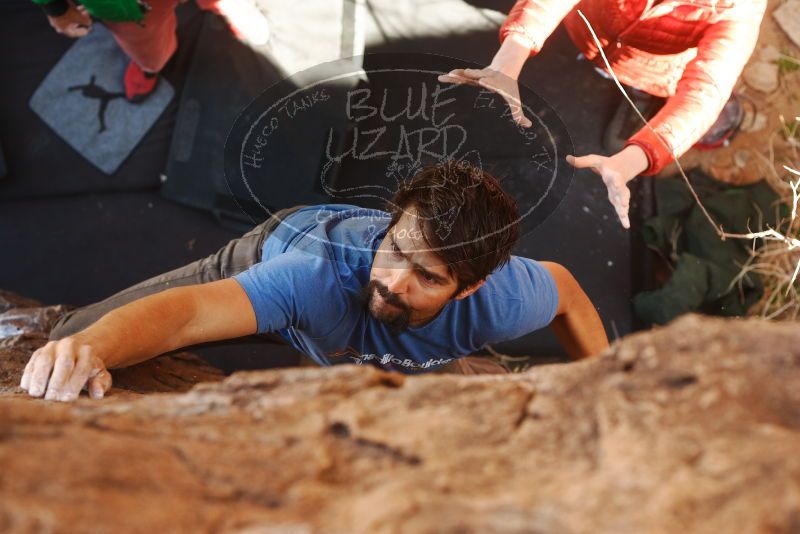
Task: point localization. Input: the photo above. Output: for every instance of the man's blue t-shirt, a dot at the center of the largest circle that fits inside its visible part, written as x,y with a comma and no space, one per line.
308,287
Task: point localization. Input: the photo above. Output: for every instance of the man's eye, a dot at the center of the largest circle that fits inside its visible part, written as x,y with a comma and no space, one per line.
428,278
396,250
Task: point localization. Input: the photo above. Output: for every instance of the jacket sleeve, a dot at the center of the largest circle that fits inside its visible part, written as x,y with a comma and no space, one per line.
535,20
704,88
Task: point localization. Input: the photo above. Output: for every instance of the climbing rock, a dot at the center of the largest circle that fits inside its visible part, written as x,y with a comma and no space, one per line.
694,427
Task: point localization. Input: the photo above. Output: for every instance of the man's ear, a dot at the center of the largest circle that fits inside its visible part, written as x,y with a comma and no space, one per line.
469,290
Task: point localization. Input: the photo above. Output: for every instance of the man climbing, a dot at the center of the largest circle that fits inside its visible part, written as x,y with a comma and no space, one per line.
408,290
145,30
690,52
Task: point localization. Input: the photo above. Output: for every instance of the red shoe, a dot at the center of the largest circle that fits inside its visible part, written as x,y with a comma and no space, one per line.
138,83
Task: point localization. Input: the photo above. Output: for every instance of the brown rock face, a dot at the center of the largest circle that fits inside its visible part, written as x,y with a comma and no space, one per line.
691,428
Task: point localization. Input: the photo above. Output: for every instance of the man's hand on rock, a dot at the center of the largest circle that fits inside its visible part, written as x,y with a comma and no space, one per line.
75,22
61,369
616,171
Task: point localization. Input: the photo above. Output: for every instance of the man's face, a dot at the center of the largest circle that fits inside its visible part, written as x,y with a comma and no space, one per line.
408,284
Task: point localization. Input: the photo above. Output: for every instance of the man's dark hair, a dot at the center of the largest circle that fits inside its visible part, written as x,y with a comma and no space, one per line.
464,215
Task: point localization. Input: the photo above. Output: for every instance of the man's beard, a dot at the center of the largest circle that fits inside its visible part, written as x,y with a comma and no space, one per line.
396,322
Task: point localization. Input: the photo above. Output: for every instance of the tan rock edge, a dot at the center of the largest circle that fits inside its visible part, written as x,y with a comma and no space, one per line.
690,428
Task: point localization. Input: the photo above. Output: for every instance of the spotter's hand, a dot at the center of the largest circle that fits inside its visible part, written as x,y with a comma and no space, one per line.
616,171
61,369
75,22
495,81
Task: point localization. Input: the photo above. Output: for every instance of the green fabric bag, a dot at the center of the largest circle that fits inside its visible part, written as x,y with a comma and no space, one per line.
109,10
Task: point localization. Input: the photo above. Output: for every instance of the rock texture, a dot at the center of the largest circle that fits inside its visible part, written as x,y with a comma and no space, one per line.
691,428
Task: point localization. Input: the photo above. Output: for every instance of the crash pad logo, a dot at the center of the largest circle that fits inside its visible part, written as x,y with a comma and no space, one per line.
388,359
345,134
94,91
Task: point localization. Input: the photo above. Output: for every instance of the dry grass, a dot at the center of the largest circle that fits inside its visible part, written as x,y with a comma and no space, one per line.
778,262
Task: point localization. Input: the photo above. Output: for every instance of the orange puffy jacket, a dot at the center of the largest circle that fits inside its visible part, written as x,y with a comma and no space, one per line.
690,51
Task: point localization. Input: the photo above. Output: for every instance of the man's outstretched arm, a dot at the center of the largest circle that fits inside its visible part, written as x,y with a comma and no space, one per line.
577,325
136,332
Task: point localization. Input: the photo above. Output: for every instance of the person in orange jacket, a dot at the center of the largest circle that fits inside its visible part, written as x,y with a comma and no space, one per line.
690,52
